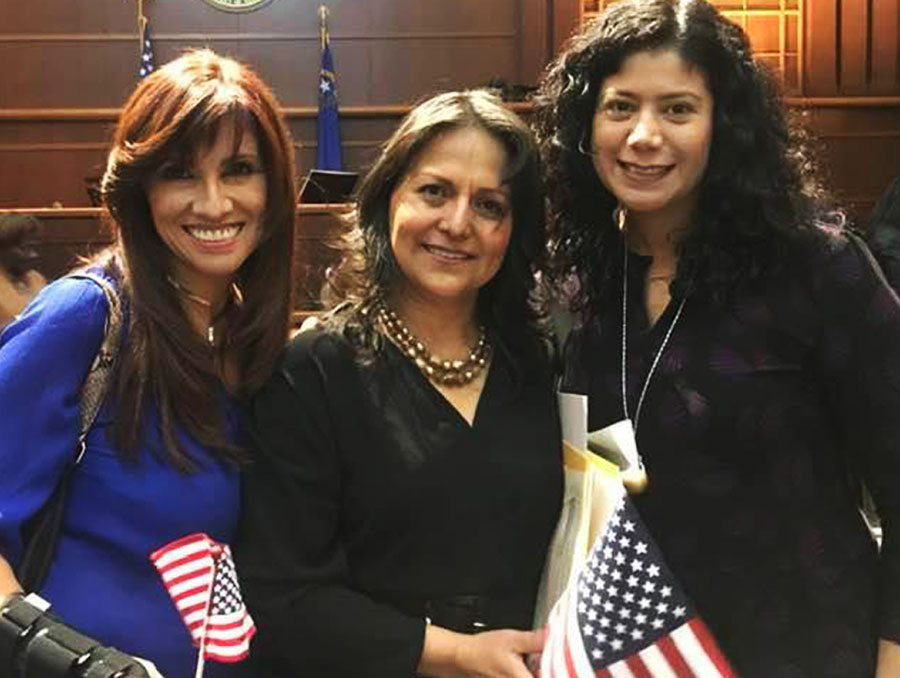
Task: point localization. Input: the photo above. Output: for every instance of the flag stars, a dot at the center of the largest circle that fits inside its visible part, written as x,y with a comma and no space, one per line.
679,611
649,587
637,565
628,597
644,603
653,571
628,526
662,608
640,548
657,623
633,581
637,634
665,591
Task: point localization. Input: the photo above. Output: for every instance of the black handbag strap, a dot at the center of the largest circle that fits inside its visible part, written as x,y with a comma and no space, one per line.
43,530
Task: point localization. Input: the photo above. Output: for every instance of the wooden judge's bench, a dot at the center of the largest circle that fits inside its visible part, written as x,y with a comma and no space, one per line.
73,233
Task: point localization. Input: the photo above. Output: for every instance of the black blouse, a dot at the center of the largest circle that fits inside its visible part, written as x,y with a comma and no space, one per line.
371,495
756,422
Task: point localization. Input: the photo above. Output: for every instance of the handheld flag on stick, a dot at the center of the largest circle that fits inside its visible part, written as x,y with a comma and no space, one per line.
329,133
200,577
624,615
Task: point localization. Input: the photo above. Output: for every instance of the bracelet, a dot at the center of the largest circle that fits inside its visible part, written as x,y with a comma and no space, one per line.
19,616
36,644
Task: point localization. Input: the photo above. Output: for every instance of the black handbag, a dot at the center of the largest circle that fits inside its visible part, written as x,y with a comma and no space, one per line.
42,531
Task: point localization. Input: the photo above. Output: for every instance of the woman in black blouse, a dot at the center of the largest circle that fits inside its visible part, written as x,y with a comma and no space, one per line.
760,349
403,501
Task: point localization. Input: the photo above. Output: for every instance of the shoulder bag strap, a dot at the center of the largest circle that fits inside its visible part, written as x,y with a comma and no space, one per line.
42,531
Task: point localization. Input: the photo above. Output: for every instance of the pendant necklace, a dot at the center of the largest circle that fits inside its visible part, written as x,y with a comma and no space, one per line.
635,477
206,303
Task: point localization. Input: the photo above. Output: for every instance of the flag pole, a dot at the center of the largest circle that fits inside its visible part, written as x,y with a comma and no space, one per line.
141,23
323,27
201,658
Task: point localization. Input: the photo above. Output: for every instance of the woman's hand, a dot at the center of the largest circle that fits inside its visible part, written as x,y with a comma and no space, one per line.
888,659
8,582
492,654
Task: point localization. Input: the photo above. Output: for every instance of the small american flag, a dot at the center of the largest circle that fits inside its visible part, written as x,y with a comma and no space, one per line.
199,575
624,615
147,66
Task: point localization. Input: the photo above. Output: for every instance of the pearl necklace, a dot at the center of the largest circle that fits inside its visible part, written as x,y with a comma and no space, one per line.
444,372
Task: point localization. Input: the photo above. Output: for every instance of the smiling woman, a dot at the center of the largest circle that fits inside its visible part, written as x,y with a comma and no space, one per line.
409,472
200,188
742,335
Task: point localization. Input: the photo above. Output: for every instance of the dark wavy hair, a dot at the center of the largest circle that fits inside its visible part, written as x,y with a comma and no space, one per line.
174,112
506,303
19,236
758,196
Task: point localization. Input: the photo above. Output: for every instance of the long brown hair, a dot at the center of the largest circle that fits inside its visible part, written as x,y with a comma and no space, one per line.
178,109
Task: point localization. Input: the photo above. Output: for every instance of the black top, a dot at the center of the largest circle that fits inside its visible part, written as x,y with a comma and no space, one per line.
372,494
756,417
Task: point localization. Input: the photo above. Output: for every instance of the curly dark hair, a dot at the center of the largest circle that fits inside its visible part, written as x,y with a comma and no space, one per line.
758,196
506,304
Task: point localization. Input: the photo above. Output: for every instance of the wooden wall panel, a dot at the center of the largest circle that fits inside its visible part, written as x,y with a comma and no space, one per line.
854,46
885,78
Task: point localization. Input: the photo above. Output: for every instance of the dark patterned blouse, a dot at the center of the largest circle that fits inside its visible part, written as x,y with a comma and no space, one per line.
756,425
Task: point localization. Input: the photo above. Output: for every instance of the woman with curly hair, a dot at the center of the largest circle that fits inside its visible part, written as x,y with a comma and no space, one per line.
402,503
742,332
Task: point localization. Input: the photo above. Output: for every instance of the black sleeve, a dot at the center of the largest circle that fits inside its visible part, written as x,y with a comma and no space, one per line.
290,551
860,361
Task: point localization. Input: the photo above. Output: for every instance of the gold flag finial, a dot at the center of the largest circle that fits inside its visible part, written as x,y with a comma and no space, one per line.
323,26
141,23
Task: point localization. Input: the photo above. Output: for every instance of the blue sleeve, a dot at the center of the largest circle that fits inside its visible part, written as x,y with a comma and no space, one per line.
44,357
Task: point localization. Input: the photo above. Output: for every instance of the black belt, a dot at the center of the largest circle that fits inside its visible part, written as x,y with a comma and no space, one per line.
471,613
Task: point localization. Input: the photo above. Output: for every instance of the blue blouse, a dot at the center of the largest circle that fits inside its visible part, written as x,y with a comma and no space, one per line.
102,581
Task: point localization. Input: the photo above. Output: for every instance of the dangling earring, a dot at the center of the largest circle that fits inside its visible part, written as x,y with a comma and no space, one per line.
583,150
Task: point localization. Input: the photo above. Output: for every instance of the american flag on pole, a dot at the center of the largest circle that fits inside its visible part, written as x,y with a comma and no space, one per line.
147,65
199,575
624,615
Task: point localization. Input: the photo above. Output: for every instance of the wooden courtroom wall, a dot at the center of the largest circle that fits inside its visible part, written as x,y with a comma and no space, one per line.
68,66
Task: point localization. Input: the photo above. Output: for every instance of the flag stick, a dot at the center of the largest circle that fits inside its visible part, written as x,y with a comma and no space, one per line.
323,26
201,659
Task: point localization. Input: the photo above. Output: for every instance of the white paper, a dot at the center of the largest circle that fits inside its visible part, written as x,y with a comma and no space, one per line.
615,443
573,410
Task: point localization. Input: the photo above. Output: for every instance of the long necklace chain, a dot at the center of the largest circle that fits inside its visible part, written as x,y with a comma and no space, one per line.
659,352
445,372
